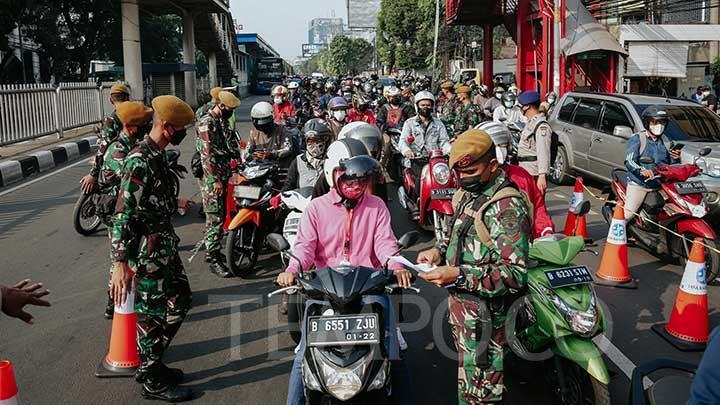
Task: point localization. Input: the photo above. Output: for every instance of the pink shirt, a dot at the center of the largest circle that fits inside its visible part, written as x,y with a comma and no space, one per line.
323,226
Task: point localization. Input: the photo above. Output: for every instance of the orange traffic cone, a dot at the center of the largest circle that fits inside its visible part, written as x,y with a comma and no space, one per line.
688,327
575,201
8,388
122,359
613,270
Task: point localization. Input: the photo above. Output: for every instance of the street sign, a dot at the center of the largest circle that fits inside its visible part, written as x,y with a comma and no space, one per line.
310,50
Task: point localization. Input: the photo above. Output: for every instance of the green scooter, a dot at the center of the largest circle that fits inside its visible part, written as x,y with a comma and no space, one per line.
557,319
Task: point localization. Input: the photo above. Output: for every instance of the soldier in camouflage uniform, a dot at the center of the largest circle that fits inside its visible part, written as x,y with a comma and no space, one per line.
110,131
217,148
144,208
134,116
447,106
467,114
486,260
210,104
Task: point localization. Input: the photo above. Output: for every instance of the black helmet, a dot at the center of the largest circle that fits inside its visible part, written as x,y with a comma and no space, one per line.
359,167
316,128
654,112
509,97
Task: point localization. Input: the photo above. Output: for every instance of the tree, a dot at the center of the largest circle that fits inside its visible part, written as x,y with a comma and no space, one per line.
346,55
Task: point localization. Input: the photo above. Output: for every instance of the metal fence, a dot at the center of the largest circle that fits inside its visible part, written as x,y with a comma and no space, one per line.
29,111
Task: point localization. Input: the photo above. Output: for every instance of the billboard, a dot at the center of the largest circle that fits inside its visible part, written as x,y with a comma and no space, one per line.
362,14
310,50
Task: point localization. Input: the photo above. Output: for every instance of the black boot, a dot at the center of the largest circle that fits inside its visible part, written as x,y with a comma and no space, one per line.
109,308
167,392
173,375
217,266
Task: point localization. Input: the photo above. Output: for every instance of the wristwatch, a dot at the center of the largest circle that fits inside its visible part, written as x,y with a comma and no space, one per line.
461,279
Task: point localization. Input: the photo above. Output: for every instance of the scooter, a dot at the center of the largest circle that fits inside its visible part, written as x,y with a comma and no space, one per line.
437,188
679,205
395,168
560,315
348,330
250,215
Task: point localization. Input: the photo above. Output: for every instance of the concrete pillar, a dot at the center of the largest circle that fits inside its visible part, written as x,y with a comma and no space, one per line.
132,59
714,45
212,69
189,58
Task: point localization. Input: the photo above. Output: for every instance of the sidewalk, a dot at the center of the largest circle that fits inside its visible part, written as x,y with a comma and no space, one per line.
46,142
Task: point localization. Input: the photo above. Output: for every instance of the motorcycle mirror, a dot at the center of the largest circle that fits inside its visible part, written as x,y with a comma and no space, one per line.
705,151
583,208
277,242
647,160
408,239
411,139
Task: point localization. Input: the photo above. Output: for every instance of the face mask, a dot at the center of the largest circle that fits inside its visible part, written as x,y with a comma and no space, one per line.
501,154
362,108
551,101
227,113
316,150
142,131
178,137
352,190
425,112
278,100
266,128
473,184
509,104
657,129
706,93
394,101
498,96
339,115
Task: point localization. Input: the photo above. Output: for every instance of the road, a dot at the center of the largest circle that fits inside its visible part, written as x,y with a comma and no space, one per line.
234,345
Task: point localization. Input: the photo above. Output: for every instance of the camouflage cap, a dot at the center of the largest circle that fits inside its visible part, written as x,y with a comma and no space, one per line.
214,93
173,110
447,85
134,113
470,146
119,88
463,89
228,99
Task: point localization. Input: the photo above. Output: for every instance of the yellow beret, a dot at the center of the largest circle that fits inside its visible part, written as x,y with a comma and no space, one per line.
447,85
228,99
173,110
214,93
464,89
470,146
119,88
134,113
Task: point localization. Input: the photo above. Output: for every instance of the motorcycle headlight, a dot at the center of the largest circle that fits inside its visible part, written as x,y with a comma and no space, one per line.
712,198
342,383
713,170
379,380
583,323
441,173
309,378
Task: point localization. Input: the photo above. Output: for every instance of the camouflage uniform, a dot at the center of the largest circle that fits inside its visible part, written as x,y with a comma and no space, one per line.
491,276
110,131
216,151
448,114
466,117
204,109
144,208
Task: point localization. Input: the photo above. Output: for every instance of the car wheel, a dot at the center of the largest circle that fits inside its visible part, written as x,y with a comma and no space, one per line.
560,168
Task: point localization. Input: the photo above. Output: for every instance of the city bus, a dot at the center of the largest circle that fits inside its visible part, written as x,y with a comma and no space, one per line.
270,72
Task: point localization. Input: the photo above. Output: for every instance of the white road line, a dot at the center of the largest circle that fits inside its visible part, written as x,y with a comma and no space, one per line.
618,358
19,186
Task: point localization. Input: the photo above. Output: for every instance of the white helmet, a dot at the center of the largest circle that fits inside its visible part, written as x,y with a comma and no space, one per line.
279,91
293,85
340,150
499,133
262,110
366,133
424,95
393,91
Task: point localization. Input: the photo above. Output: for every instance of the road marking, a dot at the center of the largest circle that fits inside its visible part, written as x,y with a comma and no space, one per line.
19,186
618,358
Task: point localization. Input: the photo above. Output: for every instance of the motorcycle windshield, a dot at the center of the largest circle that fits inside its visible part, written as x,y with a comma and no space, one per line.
558,252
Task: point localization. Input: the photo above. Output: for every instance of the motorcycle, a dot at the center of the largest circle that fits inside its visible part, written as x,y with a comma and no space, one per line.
249,214
395,167
348,338
437,188
560,315
93,209
679,206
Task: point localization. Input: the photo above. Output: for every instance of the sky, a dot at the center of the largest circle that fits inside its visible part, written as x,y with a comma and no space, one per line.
284,23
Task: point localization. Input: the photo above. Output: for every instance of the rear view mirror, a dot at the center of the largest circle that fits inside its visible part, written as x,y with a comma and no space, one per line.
277,242
582,209
408,239
647,160
622,131
705,151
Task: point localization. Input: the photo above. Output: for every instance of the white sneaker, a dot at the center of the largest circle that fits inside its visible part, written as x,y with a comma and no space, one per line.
401,340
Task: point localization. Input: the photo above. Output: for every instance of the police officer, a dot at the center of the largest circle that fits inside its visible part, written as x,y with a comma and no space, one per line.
535,140
210,104
486,260
144,209
134,116
217,149
467,114
112,126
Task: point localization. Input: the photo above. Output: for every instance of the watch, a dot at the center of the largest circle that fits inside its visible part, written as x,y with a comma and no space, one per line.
461,279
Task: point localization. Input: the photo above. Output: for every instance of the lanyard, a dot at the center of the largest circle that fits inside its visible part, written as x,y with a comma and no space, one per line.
348,228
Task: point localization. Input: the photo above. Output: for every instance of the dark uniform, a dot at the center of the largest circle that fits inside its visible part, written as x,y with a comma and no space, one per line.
448,114
467,116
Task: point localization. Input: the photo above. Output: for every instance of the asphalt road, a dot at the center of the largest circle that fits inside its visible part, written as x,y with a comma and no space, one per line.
234,346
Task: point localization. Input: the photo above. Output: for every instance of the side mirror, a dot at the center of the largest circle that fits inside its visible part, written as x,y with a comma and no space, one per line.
647,160
583,208
408,239
622,131
705,151
277,242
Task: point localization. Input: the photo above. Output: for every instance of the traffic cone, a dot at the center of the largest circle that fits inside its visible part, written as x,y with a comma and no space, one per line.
688,327
8,388
122,359
613,270
577,198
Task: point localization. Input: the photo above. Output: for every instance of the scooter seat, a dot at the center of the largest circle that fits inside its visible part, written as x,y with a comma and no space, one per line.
668,390
620,176
654,200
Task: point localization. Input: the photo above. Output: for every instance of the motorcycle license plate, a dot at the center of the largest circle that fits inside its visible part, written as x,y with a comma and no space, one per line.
249,192
568,276
343,330
690,187
442,193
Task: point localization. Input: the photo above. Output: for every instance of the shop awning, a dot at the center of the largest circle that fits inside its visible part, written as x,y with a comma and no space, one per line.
585,34
662,59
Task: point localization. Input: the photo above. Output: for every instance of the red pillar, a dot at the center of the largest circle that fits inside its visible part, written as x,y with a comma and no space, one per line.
610,88
563,60
488,56
522,32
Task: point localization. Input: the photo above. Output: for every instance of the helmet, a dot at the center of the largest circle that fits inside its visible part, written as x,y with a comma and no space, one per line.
499,133
329,85
654,112
341,150
483,89
366,133
509,97
424,95
347,89
359,100
262,115
498,89
280,91
316,128
393,91
293,85
337,103
367,87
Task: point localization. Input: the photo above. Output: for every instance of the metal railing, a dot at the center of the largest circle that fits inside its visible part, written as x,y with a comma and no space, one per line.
30,111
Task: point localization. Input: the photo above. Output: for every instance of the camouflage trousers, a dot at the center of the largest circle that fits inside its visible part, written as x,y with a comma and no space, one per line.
214,207
162,300
480,360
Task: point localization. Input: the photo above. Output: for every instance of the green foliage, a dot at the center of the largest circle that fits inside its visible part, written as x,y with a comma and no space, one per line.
344,55
715,66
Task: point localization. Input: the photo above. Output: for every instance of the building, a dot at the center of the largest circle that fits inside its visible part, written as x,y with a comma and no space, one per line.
323,30
21,64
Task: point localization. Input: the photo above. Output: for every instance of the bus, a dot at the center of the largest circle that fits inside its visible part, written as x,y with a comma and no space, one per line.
270,72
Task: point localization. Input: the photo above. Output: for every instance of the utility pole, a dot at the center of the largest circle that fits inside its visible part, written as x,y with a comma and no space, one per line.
435,45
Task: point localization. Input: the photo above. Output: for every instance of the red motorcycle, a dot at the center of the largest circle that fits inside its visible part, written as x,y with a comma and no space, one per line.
437,188
678,205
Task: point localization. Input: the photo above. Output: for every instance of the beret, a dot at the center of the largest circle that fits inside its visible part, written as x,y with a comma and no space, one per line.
134,113
464,89
470,146
119,88
228,99
447,85
173,110
529,97
214,93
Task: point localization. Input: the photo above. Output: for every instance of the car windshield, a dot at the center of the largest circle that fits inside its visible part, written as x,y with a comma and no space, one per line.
690,123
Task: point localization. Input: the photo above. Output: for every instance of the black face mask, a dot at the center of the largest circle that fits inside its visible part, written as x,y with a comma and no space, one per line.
473,184
394,101
226,114
142,131
425,112
178,137
362,108
266,128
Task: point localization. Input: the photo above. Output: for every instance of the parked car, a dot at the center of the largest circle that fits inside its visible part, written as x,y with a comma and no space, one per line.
593,130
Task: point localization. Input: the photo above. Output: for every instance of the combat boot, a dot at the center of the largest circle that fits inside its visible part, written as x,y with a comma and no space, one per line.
217,266
167,392
109,308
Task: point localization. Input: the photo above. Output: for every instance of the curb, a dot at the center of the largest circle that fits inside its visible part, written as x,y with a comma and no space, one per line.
12,171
